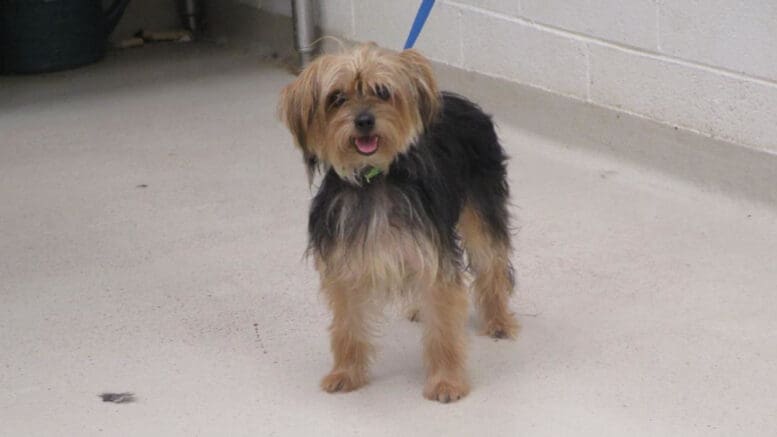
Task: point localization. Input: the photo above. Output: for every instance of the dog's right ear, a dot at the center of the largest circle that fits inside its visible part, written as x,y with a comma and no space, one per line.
297,109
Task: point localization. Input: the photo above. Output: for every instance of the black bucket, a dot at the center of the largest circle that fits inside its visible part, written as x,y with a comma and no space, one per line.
47,35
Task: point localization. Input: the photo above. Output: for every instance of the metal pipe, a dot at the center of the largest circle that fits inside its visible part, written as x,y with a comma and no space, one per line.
304,29
191,14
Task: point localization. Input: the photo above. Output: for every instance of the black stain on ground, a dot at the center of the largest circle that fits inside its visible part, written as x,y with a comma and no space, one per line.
259,339
606,174
118,398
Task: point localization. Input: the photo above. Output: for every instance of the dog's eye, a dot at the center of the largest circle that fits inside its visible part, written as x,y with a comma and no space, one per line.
336,99
382,92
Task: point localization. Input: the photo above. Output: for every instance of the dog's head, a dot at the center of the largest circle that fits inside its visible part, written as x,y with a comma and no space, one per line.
360,109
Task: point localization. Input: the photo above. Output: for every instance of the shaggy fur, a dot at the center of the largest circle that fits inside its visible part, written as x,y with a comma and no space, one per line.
441,191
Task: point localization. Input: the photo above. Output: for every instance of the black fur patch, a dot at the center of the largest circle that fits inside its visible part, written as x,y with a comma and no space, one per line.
458,159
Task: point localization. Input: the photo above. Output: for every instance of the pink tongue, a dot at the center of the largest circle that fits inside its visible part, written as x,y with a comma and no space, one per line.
367,144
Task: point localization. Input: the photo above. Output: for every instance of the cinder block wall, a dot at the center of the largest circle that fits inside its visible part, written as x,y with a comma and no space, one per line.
708,66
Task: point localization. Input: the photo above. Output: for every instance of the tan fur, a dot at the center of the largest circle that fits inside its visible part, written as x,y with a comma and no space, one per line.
357,278
444,313
328,133
490,263
387,259
350,334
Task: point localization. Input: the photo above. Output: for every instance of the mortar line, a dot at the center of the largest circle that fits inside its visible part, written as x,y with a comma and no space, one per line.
460,15
658,26
587,72
353,19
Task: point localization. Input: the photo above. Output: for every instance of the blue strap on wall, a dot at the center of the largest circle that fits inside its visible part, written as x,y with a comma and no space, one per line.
418,23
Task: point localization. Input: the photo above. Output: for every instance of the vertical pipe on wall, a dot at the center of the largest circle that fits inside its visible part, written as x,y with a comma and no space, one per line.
191,12
304,29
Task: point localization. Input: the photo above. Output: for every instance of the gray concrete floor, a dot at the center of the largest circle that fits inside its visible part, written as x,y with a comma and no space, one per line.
152,225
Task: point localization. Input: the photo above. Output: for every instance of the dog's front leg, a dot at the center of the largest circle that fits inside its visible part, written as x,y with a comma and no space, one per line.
444,314
350,337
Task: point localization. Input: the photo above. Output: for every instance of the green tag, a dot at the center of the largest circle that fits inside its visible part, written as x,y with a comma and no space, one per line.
371,173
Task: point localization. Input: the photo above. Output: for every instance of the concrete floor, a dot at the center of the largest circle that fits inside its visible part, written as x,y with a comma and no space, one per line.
152,225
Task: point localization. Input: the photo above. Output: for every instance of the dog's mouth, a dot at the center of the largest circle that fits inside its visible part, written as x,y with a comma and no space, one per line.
366,145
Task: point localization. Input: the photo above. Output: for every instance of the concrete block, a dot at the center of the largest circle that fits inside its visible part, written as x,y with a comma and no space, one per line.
719,105
524,53
628,22
388,24
507,7
739,36
336,17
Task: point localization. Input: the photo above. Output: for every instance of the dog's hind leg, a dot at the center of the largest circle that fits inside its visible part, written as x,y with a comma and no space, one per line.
488,250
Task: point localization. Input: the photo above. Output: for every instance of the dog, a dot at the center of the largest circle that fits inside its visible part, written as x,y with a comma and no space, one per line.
413,179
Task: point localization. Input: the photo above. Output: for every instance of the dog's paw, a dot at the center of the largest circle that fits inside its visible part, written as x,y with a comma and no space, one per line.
504,327
343,381
445,390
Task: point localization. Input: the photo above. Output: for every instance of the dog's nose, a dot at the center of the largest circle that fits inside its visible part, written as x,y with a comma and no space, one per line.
365,122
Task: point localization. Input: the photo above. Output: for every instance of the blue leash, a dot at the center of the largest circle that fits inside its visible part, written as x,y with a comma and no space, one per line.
418,23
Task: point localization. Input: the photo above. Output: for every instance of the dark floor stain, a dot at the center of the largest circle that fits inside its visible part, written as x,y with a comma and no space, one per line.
259,339
118,398
606,174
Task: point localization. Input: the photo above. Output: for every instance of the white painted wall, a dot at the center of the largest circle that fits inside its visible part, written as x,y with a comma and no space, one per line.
705,65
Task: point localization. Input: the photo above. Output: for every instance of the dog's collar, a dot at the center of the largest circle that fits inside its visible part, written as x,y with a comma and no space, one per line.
370,173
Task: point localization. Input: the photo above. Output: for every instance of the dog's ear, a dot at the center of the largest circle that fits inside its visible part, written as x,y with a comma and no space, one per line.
422,77
297,109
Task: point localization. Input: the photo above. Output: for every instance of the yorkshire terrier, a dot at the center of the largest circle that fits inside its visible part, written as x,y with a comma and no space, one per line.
412,178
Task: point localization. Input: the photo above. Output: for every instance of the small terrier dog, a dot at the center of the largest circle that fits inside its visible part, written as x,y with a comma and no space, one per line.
413,178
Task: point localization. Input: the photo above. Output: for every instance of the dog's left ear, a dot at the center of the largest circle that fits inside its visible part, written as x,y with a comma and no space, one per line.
297,109
422,77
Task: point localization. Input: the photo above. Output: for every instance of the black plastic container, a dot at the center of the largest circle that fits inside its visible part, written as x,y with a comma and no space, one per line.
47,35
